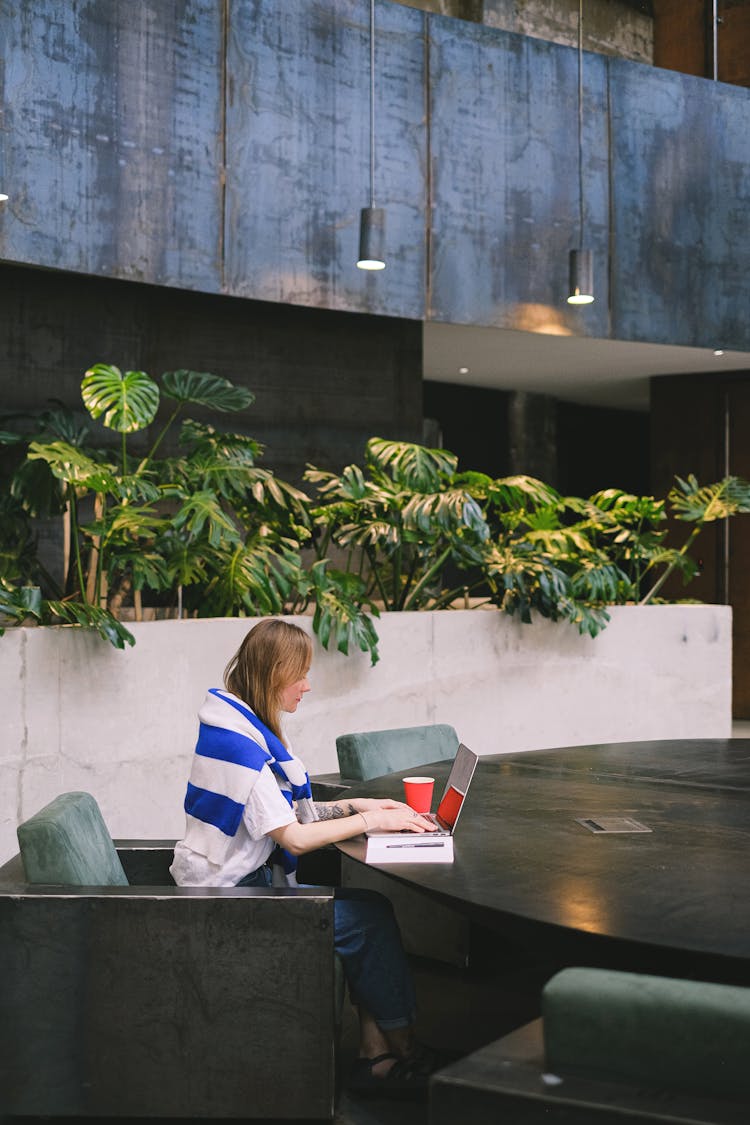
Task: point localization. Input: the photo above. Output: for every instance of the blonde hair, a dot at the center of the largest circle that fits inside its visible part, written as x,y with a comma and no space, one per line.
273,655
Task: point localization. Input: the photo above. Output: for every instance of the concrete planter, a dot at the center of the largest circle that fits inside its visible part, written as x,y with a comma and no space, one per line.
78,714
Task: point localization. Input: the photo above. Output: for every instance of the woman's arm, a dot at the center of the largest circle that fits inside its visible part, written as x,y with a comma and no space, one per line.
300,838
344,806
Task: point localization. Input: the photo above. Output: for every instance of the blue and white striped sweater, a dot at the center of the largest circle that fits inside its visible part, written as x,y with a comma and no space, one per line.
232,748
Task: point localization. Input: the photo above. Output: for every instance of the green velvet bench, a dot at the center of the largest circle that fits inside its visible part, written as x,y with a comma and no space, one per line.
124,995
610,1046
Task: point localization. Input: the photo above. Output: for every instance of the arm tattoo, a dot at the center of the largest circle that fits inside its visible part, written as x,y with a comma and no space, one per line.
334,811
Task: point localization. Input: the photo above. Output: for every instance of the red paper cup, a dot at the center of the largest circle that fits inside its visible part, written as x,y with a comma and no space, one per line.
418,792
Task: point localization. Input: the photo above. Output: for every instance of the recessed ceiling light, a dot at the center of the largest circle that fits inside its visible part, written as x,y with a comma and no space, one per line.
463,371
718,351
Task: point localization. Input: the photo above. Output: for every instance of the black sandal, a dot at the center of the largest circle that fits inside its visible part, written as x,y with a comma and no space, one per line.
407,1078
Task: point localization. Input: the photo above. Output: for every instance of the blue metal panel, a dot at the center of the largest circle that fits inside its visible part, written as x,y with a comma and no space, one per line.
298,153
681,195
504,146
112,150
112,140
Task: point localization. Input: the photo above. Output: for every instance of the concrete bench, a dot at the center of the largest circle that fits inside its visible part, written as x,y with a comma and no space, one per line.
610,1046
130,996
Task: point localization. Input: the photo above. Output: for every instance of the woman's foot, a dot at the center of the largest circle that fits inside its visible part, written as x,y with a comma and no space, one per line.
387,1076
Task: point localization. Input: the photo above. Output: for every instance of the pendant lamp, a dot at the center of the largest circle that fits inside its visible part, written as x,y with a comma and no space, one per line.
372,218
581,264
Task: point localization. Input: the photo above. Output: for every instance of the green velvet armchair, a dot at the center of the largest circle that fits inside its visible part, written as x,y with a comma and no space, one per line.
124,995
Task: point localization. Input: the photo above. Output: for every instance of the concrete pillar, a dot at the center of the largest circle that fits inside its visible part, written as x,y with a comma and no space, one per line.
532,436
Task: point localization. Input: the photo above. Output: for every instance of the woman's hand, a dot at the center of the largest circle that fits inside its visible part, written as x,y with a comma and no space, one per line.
381,816
364,804
395,816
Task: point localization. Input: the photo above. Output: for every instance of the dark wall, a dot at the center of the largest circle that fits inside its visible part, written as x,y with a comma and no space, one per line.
577,449
599,448
472,422
324,381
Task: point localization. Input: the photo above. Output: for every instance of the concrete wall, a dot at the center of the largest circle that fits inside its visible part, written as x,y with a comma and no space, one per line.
614,27
78,714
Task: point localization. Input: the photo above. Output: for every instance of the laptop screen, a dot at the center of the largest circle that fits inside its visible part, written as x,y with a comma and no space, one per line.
456,787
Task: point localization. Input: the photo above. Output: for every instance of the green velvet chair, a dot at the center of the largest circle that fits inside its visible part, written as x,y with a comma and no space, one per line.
369,754
124,995
611,1046
67,842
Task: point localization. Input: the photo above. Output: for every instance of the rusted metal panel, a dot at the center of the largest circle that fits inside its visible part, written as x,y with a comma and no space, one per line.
504,145
681,187
112,138
112,147
298,153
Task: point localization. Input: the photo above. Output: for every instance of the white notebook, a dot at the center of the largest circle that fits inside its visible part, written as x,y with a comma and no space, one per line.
390,847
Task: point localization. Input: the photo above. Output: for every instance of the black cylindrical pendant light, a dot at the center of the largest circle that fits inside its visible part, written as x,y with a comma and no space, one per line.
372,218
581,287
372,239
581,262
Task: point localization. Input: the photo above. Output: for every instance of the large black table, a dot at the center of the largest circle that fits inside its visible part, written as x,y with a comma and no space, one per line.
674,900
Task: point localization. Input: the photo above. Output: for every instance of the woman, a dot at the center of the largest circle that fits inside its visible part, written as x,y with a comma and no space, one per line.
250,813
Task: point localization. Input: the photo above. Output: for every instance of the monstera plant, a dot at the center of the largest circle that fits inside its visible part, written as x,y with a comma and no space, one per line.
402,522
421,535
204,529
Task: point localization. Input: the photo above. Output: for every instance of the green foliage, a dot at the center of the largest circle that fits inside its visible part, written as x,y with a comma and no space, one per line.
206,530
423,536
202,389
401,521
338,619
207,523
22,604
125,403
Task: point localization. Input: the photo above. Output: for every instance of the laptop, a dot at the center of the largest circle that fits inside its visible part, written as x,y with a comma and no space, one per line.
452,801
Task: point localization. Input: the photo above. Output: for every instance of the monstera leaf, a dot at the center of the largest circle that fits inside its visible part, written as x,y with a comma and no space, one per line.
125,403
73,466
203,389
410,465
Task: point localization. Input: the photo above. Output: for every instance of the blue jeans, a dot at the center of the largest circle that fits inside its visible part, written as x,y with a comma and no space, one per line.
368,941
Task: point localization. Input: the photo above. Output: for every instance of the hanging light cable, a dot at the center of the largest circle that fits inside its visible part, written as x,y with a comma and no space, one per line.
372,218
581,280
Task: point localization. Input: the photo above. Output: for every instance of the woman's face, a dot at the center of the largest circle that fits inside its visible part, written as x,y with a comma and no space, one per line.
292,694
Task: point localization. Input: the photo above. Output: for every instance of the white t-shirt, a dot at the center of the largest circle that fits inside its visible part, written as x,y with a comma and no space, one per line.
250,847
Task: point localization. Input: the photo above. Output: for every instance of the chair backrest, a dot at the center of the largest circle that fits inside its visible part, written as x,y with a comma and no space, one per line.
683,1035
372,753
67,843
